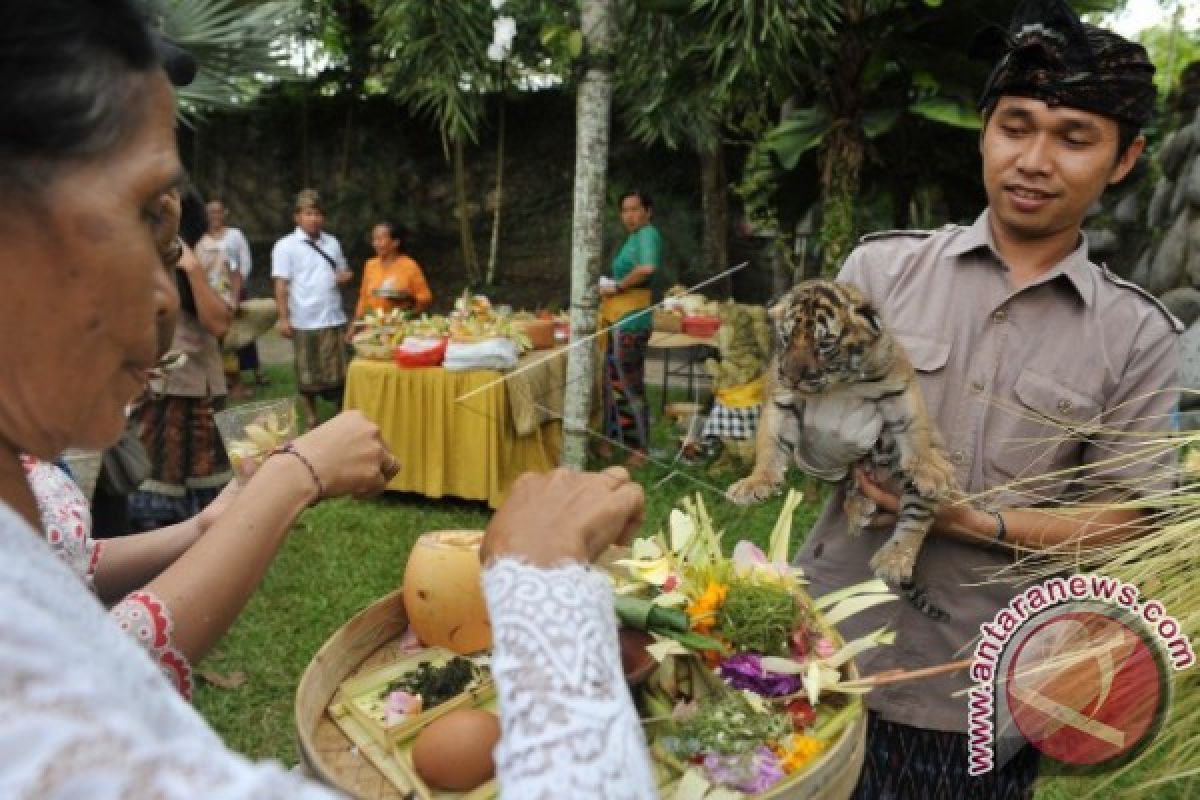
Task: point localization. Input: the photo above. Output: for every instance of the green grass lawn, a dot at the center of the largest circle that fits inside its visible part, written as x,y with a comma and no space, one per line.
345,554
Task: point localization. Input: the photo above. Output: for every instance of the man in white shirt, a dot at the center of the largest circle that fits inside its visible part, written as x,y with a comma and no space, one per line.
308,267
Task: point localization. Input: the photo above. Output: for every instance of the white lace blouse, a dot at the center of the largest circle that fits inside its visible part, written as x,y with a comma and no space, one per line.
85,712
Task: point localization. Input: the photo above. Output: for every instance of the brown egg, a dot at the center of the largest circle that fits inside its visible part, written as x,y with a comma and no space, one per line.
455,751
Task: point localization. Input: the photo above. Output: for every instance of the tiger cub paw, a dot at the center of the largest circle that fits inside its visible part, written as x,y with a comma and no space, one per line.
893,563
859,511
749,491
932,476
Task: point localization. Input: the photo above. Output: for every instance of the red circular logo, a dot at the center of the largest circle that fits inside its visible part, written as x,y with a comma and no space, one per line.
1084,688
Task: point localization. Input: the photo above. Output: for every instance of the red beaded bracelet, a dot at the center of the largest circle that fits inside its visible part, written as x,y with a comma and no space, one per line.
291,450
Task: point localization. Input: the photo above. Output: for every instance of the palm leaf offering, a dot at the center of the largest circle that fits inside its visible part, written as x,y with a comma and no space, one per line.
753,684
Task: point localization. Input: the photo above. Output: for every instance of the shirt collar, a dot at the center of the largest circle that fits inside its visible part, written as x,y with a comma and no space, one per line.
300,234
1076,268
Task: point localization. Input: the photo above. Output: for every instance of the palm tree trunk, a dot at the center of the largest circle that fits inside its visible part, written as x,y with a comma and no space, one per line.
494,247
715,245
844,148
841,171
593,112
465,237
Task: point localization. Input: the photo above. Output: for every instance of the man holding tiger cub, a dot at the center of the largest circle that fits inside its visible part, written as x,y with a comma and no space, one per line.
1019,343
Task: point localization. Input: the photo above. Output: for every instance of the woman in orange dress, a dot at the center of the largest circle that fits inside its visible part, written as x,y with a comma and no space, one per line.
391,280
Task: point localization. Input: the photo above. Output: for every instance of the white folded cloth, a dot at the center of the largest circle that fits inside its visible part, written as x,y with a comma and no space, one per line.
496,354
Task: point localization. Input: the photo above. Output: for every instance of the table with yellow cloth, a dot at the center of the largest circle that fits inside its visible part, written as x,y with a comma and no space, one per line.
466,434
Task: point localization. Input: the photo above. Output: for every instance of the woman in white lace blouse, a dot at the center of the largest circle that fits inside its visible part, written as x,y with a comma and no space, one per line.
87,153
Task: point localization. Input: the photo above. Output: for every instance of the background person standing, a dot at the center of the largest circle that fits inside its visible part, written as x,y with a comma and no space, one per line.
393,279
308,267
188,464
624,306
237,250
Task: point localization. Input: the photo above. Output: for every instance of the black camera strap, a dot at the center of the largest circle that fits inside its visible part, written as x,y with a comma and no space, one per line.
332,264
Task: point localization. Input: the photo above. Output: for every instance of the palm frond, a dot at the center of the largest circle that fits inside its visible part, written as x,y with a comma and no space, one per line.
238,48
437,60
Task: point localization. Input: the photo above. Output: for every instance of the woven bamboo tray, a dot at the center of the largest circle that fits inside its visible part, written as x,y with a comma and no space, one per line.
372,638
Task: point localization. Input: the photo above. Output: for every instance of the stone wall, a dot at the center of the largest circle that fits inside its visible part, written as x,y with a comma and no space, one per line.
1150,233
372,161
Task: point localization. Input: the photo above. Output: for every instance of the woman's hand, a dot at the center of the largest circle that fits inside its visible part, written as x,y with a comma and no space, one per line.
349,456
565,516
188,263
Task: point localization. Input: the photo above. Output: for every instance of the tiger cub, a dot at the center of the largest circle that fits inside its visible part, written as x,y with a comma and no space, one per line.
831,350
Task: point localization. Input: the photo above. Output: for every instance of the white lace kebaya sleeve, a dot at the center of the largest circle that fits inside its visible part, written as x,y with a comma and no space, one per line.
569,725
84,713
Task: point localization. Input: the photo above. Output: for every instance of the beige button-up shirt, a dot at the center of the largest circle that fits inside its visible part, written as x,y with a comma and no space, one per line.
1015,380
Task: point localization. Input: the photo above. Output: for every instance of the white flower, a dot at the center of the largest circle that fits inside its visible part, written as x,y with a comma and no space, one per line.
497,5
504,29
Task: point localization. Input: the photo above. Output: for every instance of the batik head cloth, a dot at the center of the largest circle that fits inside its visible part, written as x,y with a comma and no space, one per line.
1054,57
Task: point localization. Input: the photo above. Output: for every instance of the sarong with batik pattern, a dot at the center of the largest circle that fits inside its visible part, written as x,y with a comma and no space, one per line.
626,415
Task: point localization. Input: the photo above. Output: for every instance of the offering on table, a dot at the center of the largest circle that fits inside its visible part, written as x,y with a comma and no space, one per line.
537,329
251,431
753,684
377,333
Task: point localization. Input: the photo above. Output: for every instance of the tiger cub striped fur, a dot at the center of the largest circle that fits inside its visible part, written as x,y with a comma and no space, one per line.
831,345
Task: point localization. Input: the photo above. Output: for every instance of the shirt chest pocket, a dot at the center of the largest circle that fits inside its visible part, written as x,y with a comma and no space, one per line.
928,358
1047,427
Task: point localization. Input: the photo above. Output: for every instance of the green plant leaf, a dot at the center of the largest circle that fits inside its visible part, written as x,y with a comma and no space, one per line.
948,112
795,136
879,121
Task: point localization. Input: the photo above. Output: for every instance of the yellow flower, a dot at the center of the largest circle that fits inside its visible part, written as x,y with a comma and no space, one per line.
798,752
703,610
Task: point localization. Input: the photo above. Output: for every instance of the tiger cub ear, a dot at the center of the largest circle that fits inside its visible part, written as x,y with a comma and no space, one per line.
870,317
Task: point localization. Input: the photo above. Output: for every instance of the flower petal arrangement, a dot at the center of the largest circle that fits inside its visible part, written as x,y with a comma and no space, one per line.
753,683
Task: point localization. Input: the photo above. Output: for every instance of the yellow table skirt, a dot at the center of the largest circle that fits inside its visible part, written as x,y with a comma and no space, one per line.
447,446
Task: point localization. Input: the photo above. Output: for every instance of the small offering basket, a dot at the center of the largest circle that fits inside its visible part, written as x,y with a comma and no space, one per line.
249,432
365,696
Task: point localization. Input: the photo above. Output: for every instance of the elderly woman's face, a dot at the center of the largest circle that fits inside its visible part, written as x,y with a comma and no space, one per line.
80,321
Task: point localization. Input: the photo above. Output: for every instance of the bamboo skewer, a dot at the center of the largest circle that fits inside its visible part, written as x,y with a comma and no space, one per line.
899,675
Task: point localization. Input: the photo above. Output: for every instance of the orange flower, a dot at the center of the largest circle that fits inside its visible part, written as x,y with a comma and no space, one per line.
800,750
703,610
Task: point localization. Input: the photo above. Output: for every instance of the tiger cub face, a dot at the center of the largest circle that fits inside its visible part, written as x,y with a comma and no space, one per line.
826,335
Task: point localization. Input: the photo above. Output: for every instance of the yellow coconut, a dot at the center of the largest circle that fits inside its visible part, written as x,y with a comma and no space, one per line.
442,592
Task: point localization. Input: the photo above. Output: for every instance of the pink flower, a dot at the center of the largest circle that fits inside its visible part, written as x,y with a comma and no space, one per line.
670,583
400,705
749,558
825,647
